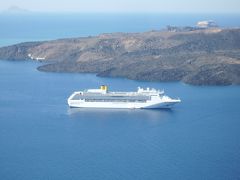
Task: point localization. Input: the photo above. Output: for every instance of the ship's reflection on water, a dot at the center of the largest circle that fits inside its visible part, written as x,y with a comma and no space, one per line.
150,115
121,123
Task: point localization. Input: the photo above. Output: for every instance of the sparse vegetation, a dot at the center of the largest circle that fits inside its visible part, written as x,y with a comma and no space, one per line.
199,57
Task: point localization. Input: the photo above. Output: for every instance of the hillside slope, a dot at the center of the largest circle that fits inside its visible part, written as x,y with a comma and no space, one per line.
200,57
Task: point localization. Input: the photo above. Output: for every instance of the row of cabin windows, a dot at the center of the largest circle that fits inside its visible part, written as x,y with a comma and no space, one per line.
112,100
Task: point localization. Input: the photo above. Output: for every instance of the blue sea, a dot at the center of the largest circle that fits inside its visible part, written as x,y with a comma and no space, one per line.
42,138
15,28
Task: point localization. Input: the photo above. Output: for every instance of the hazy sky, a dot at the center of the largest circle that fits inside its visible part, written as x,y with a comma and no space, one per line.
160,6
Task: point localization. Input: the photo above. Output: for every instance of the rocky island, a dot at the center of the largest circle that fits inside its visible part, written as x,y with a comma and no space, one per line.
194,56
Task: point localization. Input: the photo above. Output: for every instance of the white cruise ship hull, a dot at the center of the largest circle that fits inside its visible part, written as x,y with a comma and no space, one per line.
122,105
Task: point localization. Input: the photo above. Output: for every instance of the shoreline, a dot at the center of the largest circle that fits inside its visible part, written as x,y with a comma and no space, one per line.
196,57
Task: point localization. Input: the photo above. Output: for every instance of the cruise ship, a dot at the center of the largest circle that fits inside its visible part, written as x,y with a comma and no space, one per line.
102,98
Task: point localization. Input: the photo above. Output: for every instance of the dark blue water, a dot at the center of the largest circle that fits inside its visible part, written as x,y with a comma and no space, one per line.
35,26
42,138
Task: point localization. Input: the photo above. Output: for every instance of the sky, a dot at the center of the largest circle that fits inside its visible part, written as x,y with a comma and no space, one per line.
150,6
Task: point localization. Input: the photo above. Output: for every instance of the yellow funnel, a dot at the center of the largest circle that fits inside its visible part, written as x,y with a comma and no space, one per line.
104,88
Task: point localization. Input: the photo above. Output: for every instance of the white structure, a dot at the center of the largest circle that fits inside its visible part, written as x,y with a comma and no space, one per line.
36,58
206,24
102,98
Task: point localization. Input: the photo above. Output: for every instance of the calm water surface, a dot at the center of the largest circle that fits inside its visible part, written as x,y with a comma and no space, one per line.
39,26
42,138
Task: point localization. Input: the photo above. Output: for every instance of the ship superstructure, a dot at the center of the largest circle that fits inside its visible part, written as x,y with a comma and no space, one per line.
102,98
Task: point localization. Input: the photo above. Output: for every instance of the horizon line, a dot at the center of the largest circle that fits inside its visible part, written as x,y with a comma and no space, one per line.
113,12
